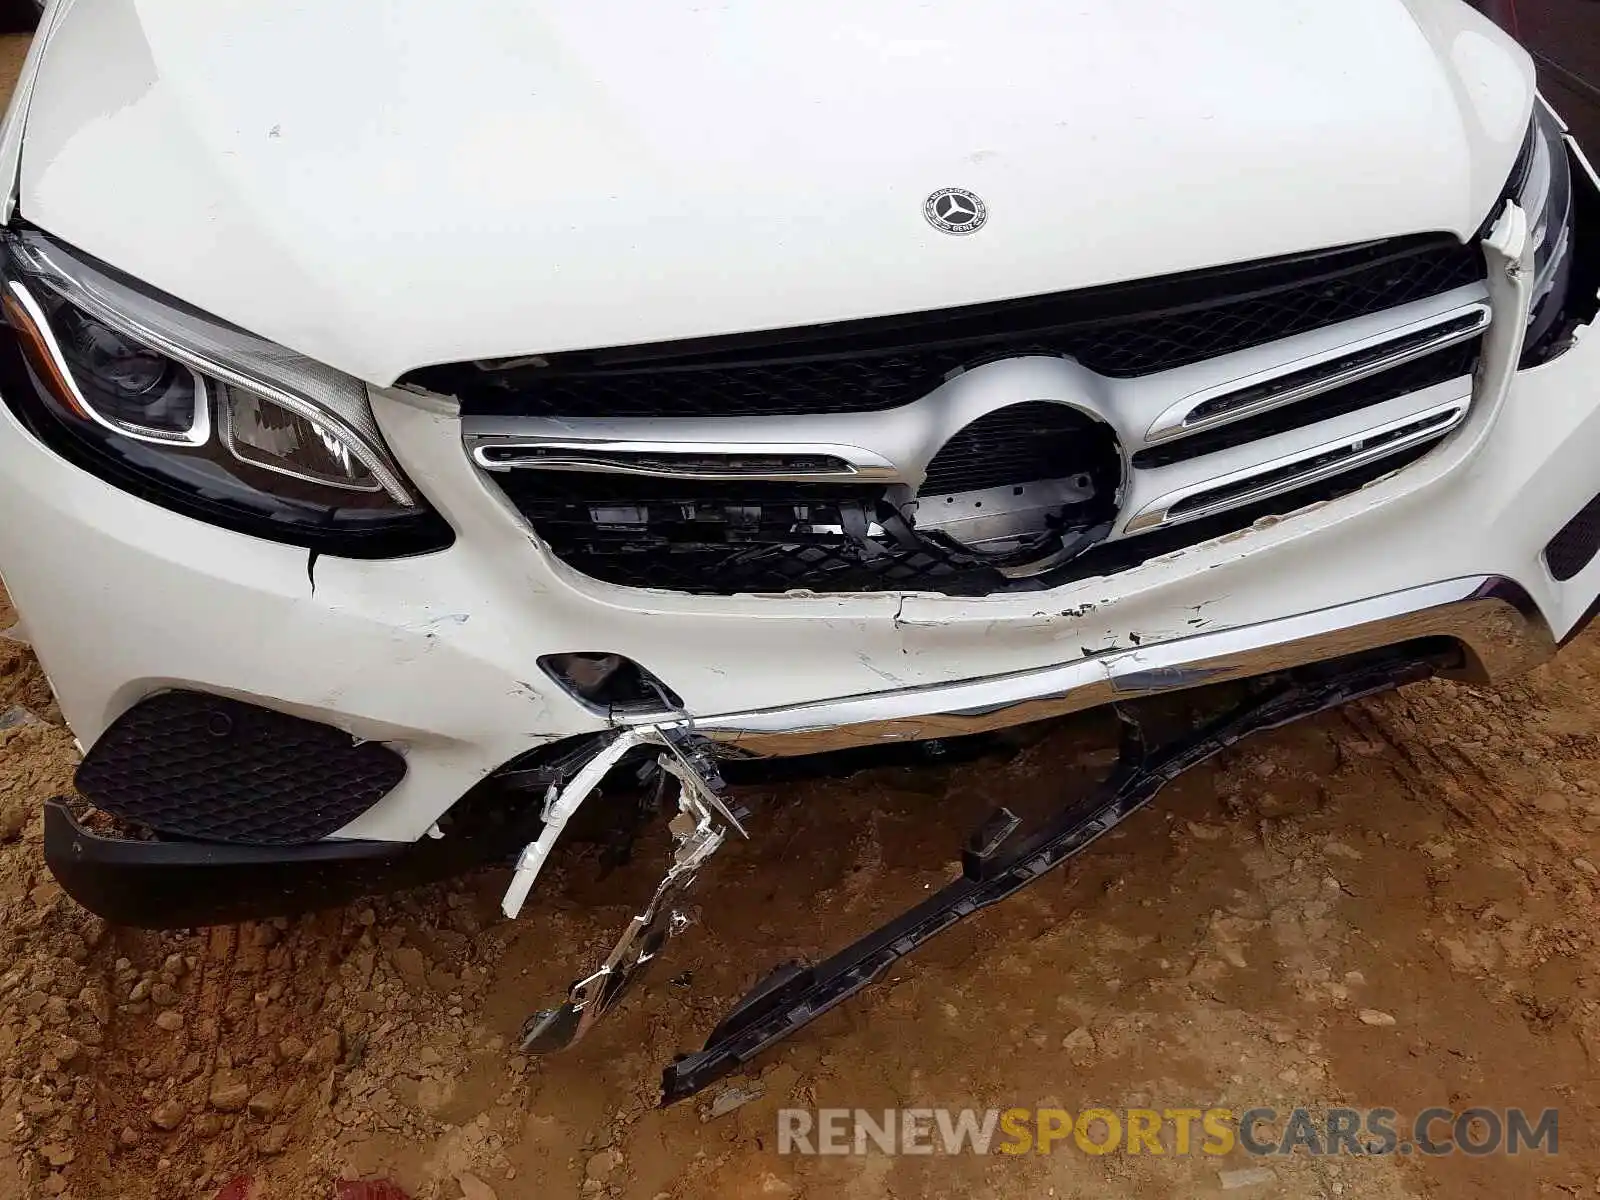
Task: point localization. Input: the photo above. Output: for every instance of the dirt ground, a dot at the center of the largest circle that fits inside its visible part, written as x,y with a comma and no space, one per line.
1426,857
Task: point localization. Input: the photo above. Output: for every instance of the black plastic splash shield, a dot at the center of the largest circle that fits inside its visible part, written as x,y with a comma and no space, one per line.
997,863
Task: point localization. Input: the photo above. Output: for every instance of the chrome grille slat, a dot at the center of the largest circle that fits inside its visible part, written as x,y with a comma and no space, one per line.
1290,473
1318,374
779,461
1453,364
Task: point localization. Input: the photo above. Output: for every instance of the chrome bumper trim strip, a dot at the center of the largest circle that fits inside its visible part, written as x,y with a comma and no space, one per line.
1492,619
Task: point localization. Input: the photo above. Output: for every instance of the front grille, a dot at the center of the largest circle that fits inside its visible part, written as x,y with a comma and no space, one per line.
1021,498
865,366
206,768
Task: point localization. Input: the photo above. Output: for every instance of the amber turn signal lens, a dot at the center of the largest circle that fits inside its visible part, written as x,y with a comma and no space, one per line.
25,316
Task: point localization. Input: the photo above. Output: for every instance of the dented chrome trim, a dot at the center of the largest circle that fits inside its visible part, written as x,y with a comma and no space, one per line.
1491,619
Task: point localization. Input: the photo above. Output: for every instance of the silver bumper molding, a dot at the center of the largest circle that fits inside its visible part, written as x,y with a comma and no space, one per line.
1495,623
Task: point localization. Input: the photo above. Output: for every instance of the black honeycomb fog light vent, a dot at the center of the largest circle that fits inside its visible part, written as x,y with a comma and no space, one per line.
204,767
1574,547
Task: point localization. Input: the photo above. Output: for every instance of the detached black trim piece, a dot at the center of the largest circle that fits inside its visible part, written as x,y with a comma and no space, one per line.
178,885
1574,547
997,862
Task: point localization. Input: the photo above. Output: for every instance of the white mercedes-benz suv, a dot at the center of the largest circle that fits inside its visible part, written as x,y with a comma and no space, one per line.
415,413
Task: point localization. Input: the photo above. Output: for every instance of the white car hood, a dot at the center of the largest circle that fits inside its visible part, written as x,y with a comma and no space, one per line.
383,184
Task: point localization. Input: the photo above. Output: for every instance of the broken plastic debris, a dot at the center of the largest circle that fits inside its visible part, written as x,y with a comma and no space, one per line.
791,996
697,832
1248,1177
14,717
560,803
731,1098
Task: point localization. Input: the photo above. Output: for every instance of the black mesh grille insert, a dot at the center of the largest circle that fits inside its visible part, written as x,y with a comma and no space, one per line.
1574,548
1018,444
1457,362
203,767
714,540
720,539
863,366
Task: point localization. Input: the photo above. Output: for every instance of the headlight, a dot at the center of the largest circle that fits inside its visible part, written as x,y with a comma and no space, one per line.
201,416
1543,189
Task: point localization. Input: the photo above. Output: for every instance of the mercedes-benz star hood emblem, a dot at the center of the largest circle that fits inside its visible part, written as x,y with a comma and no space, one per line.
955,210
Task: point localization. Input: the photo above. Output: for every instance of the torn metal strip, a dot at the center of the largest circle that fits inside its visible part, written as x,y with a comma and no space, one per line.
561,802
688,758
699,829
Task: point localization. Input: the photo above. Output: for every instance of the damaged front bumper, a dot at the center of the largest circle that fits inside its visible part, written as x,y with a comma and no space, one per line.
1475,628
1489,626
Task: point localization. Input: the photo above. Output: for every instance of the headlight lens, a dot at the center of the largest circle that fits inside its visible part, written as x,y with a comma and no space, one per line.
1543,190
258,432
135,389
203,417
